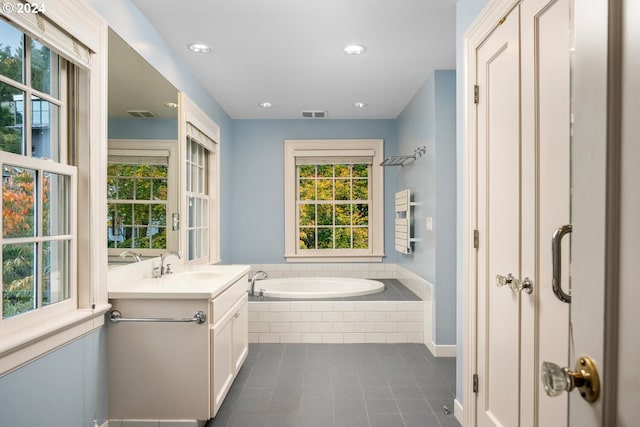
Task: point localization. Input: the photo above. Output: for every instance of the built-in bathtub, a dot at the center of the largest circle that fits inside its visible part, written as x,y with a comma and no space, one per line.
317,287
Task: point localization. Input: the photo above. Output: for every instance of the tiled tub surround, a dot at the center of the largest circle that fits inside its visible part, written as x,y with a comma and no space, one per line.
395,315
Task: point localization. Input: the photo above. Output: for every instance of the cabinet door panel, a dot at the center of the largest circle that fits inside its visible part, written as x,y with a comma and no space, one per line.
240,333
222,366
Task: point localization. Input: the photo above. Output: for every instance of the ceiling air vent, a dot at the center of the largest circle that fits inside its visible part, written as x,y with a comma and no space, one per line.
314,114
142,114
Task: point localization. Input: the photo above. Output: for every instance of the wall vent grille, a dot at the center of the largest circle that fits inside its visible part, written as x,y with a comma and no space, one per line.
314,114
142,114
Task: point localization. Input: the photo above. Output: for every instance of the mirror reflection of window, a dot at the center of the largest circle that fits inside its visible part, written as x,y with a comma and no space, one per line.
139,205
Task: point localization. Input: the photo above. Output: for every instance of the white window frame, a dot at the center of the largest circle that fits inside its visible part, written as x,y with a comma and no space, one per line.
338,148
196,125
133,147
76,32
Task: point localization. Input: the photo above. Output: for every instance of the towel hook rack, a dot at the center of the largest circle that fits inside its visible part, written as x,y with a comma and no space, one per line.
199,317
403,160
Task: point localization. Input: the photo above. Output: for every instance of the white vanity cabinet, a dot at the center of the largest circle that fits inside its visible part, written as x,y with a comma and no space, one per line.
176,370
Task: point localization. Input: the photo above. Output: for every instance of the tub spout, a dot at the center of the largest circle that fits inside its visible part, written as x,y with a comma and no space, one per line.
259,275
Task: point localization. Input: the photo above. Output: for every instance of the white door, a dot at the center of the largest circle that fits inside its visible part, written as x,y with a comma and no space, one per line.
546,109
523,196
498,225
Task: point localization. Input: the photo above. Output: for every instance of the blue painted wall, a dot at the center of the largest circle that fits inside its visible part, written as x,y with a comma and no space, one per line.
143,128
257,183
466,12
429,120
65,388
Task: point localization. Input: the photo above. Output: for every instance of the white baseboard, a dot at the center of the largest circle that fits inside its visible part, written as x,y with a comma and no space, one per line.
458,410
442,350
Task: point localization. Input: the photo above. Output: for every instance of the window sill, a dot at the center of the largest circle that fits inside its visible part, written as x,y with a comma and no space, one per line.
334,258
20,347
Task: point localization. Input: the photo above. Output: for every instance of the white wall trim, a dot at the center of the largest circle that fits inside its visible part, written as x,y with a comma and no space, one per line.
442,350
458,411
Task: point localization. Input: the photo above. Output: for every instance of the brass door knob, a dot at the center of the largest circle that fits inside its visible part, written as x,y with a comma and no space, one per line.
585,378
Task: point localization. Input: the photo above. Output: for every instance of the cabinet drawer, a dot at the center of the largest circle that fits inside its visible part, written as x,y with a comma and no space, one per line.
223,302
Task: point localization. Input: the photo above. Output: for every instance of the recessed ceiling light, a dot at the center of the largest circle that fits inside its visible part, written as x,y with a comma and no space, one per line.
200,48
171,104
354,49
359,105
266,104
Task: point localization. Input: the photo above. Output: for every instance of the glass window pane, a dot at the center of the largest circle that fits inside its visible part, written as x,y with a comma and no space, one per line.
160,189
343,170
205,212
361,170
141,214
343,189
307,171
360,214
44,69
360,189
307,238
159,239
126,170
159,215
325,214
55,204
143,189
18,279
307,215
198,211
140,239
325,171
11,119
343,238
55,272
343,214
325,189
360,238
307,189
125,189
45,128
18,202
112,188
325,238
191,206
11,52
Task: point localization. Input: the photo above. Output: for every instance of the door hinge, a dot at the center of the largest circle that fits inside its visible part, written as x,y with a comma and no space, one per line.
476,94
476,239
475,383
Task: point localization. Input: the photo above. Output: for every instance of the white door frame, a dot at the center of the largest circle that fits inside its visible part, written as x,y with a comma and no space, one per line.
473,37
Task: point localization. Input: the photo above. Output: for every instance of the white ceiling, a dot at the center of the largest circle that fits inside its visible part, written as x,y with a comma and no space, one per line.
290,52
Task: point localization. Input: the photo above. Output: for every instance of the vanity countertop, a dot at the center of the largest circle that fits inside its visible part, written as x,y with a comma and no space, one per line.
188,282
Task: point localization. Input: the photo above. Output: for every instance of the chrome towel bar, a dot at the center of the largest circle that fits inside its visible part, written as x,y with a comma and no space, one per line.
199,317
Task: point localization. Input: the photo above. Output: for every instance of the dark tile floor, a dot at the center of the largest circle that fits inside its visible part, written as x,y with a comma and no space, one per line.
394,290
351,385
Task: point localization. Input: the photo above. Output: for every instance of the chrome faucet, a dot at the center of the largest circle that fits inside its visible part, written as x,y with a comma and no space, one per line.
259,275
131,254
165,269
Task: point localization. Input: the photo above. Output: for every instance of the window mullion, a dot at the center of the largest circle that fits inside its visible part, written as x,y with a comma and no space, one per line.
27,97
39,217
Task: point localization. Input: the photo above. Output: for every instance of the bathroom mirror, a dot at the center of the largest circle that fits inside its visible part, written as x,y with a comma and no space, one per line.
142,171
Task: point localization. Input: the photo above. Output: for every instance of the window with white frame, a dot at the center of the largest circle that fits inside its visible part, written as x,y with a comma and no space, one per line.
38,236
334,196
200,194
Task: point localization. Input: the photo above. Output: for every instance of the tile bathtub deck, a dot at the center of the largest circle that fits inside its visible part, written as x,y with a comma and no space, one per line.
370,385
394,290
